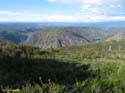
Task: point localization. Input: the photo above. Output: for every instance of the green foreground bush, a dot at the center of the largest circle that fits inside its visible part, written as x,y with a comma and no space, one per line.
85,69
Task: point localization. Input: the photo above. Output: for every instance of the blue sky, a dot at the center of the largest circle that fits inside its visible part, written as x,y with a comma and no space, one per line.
62,10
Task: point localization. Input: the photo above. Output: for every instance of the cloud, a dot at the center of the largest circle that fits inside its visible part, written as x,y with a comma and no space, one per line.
103,7
4,19
119,5
52,0
91,1
8,13
25,16
97,7
66,1
112,5
115,5
11,16
13,13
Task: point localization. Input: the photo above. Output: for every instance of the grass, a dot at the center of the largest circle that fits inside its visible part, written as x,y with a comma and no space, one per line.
82,69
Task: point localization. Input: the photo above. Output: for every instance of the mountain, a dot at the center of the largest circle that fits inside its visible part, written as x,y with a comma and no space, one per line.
14,37
58,35
20,25
3,40
55,39
65,36
118,36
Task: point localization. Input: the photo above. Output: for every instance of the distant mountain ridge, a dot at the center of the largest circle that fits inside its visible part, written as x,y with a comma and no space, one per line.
62,24
58,35
55,39
65,36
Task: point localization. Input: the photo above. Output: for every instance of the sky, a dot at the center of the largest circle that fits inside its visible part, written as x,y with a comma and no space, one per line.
62,10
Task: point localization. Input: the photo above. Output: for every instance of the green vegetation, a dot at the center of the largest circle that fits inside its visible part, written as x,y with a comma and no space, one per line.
94,68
